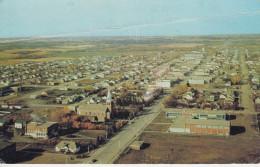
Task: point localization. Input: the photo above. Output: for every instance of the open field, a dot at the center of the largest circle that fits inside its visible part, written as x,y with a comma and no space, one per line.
46,158
39,50
182,149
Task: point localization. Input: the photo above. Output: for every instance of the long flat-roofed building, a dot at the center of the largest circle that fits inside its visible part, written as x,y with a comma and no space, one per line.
199,114
186,124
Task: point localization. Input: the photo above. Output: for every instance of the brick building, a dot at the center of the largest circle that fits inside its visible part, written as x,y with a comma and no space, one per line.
41,130
186,124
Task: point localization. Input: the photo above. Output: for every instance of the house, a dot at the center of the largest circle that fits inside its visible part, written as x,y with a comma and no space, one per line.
163,83
67,146
98,112
257,104
7,151
196,82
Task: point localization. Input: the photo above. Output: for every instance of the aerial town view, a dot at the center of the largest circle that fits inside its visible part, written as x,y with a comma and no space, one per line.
129,82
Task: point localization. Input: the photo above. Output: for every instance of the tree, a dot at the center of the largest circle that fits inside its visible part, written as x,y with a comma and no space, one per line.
129,86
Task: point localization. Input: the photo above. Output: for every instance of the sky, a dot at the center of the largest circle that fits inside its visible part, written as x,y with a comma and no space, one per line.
59,18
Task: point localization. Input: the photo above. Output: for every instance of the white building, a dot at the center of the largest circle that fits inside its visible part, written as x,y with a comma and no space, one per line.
164,83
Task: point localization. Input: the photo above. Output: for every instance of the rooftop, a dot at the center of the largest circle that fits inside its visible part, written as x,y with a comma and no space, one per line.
47,124
180,122
93,107
221,112
137,144
208,122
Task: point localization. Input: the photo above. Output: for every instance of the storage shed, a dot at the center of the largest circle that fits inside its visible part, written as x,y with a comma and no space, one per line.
136,145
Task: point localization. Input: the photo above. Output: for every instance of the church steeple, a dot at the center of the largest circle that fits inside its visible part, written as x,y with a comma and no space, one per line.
109,96
109,104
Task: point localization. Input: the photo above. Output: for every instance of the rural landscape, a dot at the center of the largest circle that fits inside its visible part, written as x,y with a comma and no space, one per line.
74,100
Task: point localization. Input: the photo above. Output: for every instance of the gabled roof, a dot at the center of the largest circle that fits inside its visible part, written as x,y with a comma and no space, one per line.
68,144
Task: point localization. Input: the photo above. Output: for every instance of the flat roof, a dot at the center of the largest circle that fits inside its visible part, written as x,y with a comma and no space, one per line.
136,143
208,122
180,122
173,110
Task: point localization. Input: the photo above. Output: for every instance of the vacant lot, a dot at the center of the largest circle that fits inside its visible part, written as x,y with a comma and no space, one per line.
187,149
161,118
46,158
158,127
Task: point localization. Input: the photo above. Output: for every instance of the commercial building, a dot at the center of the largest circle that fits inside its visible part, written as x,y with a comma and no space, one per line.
198,114
41,130
186,124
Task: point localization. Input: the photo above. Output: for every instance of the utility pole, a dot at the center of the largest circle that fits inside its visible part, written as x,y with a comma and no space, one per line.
88,149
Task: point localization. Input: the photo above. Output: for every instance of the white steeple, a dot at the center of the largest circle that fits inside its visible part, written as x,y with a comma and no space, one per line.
109,96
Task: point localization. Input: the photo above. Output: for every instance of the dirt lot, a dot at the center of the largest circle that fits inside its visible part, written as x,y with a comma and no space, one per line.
186,149
158,127
46,158
161,118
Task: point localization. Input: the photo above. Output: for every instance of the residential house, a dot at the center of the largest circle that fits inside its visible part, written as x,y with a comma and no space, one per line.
67,146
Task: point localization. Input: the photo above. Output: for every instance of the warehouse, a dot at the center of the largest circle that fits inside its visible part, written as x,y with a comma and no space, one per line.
185,124
204,126
198,114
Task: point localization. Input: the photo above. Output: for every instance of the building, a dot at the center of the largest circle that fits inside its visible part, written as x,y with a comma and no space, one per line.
98,112
194,56
42,130
67,146
196,82
204,126
136,145
186,124
7,151
198,114
257,104
20,124
163,83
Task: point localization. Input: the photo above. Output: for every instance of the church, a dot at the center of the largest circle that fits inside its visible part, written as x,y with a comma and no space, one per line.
98,112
